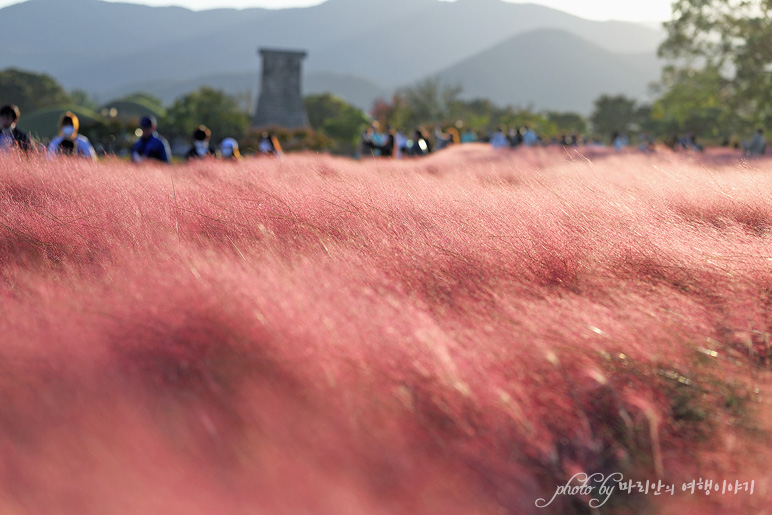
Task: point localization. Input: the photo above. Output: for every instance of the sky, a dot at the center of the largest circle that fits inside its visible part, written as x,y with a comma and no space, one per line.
647,10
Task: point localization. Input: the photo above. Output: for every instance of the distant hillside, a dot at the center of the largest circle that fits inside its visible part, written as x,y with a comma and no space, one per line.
552,69
57,36
412,47
100,46
111,43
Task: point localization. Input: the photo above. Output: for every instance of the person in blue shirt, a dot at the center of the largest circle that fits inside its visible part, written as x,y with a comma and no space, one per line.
150,145
229,149
69,142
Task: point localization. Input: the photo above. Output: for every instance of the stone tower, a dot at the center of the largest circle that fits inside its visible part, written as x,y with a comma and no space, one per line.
280,103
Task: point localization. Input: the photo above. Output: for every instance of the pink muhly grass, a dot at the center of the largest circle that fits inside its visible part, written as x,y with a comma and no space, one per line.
458,334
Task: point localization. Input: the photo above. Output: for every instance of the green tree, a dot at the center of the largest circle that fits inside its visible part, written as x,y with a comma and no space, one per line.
614,113
431,102
697,101
571,123
519,117
479,114
213,108
83,99
336,119
395,112
428,102
31,91
733,36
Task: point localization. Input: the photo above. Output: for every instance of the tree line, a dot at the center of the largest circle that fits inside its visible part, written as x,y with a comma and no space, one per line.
335,125
716,86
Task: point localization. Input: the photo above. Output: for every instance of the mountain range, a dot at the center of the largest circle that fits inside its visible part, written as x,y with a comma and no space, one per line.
522,54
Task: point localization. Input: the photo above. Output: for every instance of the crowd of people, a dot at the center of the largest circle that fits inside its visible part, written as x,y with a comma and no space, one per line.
394,143
375,142
150,146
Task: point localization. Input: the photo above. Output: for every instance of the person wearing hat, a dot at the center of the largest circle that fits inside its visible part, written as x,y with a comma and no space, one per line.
229,149
10,136
201,148
150,145
69,142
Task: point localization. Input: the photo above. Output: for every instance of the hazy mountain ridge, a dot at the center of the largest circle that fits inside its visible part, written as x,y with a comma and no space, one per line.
552,69
103,47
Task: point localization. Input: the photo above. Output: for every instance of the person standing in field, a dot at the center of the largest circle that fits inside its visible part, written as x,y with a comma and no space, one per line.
200,149
269,145
69,142
445,139
150,145
515,137
469,136
530,138
229,149
619,141
378,138
756,146
400,140
499,139
389,147
10,136
646,142
420,144
367,143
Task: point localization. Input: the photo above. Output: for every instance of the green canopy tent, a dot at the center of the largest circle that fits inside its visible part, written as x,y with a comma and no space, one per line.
129,112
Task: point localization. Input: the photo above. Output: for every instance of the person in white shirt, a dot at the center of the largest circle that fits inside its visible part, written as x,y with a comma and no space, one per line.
69,142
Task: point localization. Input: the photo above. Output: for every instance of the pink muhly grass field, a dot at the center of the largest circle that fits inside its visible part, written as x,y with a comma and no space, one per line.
454,335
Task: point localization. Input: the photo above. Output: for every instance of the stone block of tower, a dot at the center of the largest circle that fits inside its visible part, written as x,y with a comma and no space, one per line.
280,103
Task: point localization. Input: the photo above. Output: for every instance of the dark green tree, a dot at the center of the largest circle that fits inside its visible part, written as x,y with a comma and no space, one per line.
83,99
336,119
431,102
520,117
733,36
571,123
695,101
428,102
479,114
614,113
213,108
394,112
31,91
